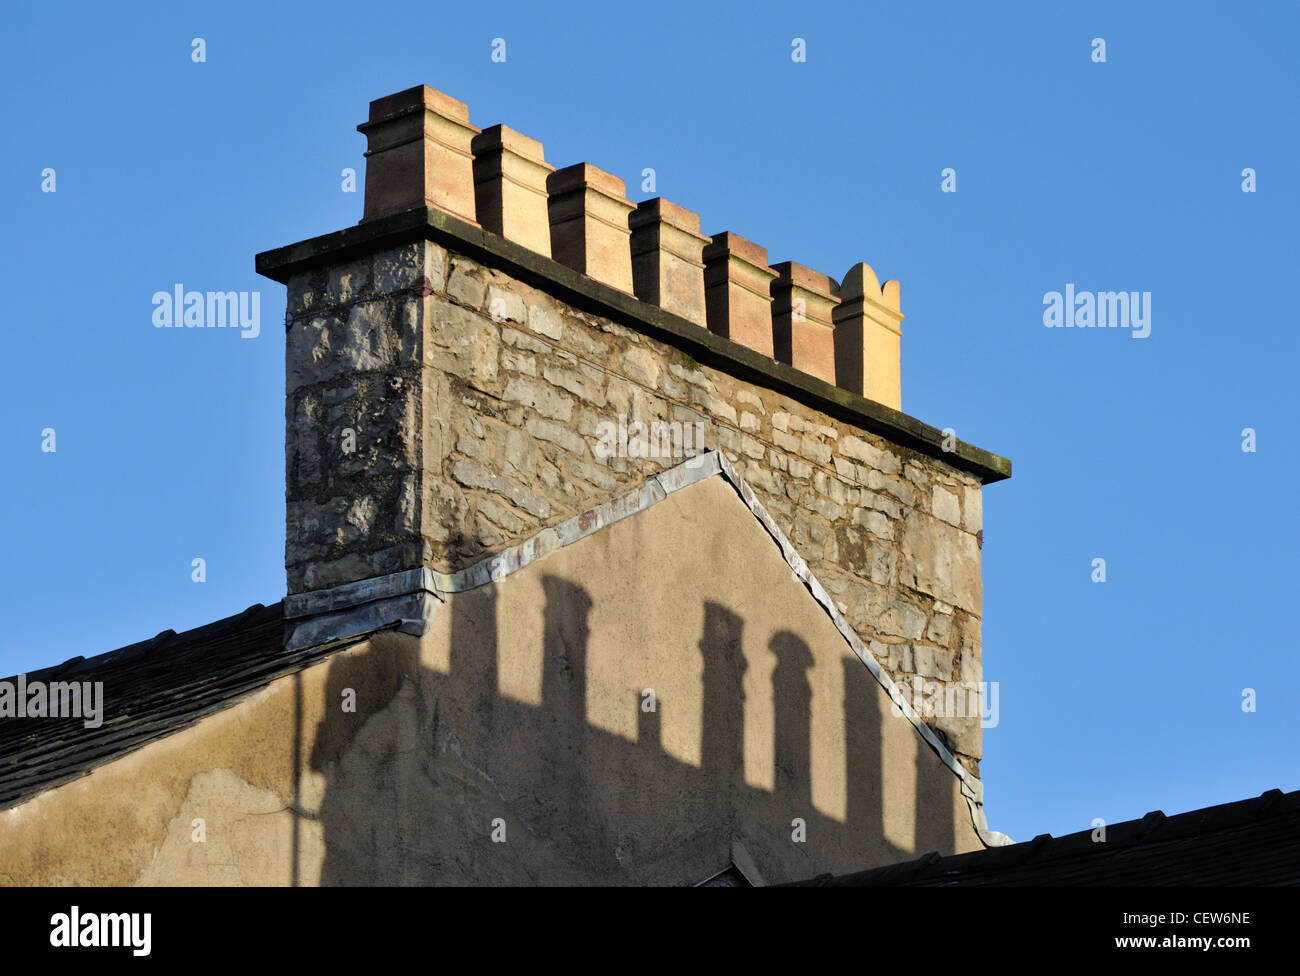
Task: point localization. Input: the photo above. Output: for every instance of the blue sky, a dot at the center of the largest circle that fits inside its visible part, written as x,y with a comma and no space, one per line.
1116,698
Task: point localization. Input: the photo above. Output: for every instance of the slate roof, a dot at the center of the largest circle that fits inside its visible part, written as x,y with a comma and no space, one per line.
151,689
1248,842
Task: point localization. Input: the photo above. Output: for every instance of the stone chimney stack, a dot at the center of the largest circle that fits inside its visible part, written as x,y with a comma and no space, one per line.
368,426
455,362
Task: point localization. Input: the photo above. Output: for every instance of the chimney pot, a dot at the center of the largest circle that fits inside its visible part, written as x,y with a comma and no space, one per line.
589,211
667,258
868,337
803,328
419,154
737,291
510,174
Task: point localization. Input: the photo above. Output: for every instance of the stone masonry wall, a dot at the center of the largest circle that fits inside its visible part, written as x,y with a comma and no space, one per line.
489,393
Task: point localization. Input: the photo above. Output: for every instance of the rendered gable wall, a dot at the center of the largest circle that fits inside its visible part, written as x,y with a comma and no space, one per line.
520,714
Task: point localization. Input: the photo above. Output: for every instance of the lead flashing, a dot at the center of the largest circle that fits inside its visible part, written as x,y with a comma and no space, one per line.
408,600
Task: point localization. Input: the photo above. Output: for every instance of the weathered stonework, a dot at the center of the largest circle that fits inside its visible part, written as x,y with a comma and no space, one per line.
478,405
519,600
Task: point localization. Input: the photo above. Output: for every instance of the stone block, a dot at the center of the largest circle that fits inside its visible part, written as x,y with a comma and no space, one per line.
541,397
902,620
941,560
869,454
974,508
945,506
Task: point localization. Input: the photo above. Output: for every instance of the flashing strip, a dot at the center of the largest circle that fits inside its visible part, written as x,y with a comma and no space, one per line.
408,600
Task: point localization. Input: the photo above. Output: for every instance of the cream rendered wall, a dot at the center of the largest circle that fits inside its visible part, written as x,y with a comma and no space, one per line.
522,715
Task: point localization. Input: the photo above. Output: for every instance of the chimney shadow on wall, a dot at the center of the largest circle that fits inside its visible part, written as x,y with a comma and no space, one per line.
440,779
